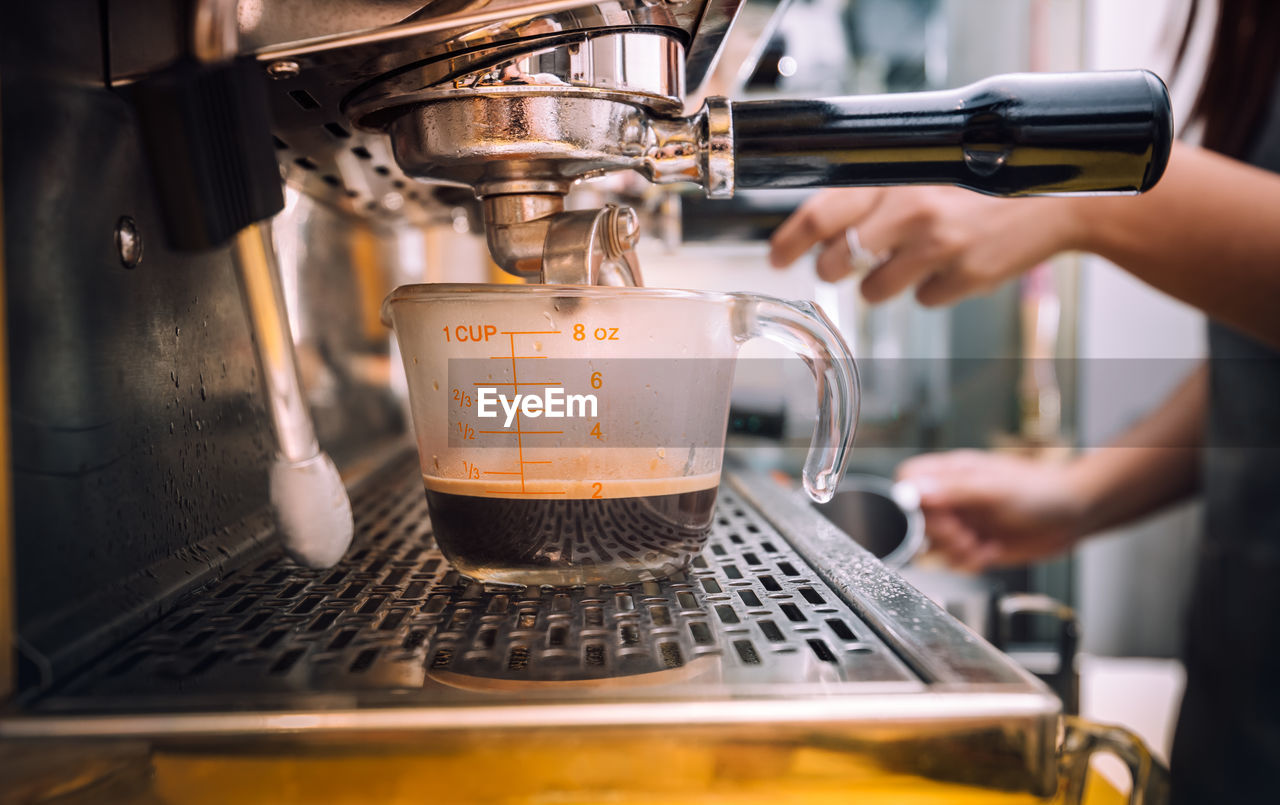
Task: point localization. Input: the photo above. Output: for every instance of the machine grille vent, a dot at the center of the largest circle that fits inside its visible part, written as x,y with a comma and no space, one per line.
350,170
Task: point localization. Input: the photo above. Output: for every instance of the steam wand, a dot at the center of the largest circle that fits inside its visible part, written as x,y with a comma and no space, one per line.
311,506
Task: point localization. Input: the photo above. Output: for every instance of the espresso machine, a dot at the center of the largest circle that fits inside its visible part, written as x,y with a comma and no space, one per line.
219,549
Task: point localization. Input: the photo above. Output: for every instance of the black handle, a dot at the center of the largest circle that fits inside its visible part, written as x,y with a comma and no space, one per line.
207,132
1007,135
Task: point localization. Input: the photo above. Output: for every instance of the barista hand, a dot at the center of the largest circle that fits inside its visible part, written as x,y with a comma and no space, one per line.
986,509
1208,210
947,242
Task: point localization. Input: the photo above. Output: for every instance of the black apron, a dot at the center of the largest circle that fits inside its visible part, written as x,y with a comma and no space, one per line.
1227,746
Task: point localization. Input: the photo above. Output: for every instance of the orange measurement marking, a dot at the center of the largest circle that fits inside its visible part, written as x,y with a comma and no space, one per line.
505,492
520,431
520,437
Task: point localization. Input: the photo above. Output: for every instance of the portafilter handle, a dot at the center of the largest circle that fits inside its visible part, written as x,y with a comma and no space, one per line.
1009,135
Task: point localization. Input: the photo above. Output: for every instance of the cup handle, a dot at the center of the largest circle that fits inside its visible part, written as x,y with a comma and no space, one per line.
804,328
1081,739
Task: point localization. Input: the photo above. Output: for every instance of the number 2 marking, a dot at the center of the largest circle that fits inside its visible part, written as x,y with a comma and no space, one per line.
597,489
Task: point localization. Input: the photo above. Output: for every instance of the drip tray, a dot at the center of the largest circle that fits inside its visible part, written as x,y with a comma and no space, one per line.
783,628
394,616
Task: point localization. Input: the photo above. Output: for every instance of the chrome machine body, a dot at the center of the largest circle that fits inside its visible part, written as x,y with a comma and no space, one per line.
517,101
196,380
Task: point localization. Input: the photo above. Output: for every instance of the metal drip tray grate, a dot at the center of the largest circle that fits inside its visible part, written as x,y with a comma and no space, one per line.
394,616
782,629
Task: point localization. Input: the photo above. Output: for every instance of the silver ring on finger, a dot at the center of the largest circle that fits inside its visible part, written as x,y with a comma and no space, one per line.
861,259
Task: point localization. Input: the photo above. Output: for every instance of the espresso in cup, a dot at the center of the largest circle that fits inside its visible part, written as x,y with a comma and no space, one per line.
571,532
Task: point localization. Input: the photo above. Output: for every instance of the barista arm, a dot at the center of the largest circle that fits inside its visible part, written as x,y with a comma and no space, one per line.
1152,465
990,509
1208,234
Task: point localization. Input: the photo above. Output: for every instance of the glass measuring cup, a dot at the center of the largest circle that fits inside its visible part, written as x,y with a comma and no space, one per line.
574,435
